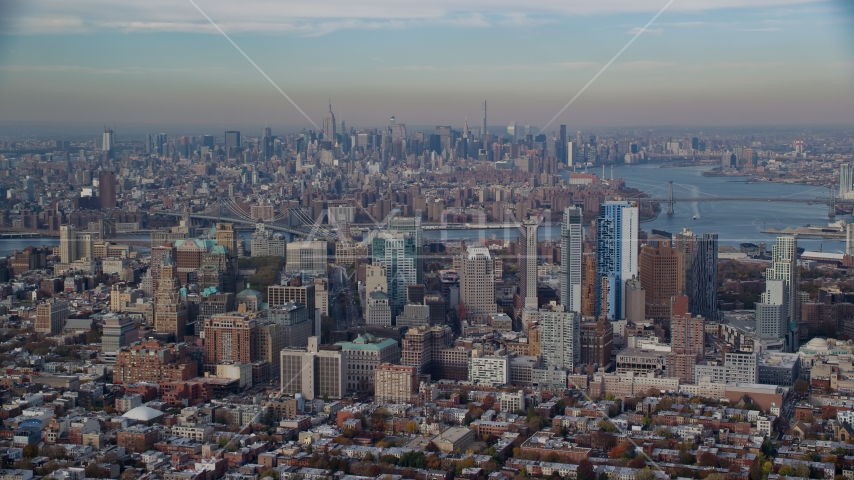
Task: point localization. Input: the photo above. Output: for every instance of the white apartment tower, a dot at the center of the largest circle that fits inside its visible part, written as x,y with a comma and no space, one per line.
571,240
560,338
784,266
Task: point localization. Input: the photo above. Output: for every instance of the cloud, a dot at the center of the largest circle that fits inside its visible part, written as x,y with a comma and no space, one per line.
517,19
102,71
642,65
650,31
730,66
319,16
768,29
572,65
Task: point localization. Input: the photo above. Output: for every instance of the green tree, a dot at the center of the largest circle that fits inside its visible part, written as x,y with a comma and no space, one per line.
31,451
607,426
645,474
413,459
389,459
801,386
786,471
270,472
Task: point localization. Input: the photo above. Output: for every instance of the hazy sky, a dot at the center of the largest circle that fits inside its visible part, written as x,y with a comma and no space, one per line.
155,62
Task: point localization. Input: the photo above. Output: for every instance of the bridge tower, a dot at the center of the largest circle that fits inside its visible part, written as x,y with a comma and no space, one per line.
222,208
832,211
670,198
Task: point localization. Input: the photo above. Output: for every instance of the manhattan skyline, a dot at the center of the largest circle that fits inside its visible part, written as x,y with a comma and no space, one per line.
700,63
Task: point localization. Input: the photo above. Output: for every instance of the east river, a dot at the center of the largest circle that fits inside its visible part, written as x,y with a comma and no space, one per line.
734,222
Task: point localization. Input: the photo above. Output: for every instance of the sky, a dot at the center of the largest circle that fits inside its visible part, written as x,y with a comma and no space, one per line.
144,65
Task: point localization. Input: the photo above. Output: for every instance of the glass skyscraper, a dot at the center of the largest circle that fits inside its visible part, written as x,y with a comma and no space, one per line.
616,256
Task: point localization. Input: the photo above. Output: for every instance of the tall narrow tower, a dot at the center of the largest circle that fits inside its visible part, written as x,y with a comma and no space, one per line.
571,241
784,266
616,256
483,121
528,264
329,125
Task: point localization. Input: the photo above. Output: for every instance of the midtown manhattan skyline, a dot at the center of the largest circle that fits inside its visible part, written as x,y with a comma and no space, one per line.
699,63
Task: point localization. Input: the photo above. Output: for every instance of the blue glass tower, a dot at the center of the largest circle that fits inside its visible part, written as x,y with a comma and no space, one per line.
616,256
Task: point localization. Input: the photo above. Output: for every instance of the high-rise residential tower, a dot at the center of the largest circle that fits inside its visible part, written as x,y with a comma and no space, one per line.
571,249
659,276
411,225
784,266
560,338
477,284
528,264
772,310
616,256
396,251
703,286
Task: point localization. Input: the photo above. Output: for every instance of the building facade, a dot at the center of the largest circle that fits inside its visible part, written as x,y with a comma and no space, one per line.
616,256
395,383
51,316
571,250
477,284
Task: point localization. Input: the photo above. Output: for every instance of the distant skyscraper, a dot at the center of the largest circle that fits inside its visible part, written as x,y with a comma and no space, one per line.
67,244
784,266
266,145
161,144
411,225
846,180
329,125
528,264
208,141
149,144
483,122
107,190
562,143
511,132
232,143
108,142
616,256
703,288
571,249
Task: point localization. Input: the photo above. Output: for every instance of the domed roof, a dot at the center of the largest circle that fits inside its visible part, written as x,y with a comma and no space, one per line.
817,344
143,414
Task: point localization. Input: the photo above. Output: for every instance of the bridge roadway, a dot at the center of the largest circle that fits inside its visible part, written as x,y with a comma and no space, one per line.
300,231
822,200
